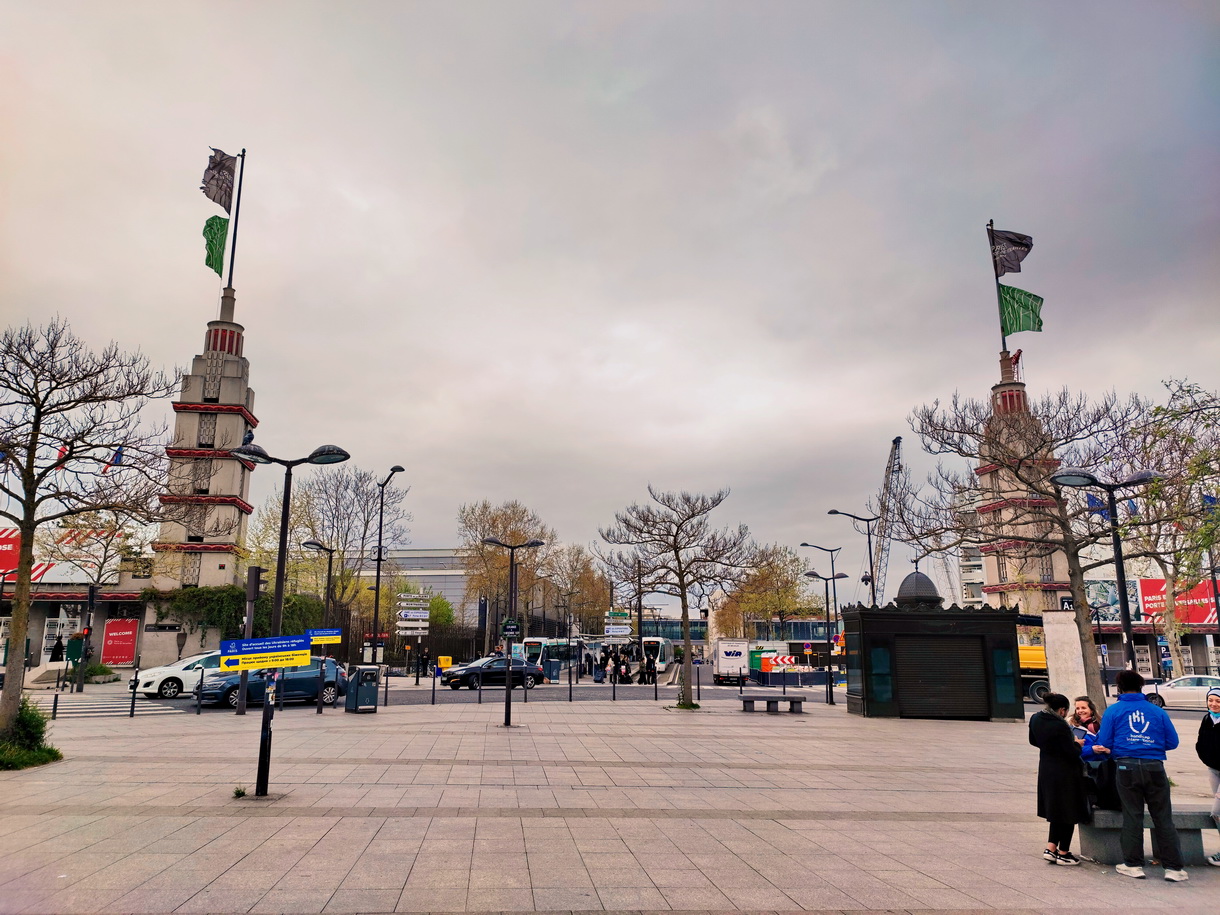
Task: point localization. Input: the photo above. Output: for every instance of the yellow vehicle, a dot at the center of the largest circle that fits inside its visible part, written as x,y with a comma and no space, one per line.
1035,679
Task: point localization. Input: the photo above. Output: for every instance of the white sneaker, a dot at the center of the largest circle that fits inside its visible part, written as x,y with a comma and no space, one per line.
1214,860
1176,876
1136,872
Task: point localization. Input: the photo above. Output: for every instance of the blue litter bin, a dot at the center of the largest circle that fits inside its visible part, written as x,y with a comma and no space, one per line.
362,689
550,669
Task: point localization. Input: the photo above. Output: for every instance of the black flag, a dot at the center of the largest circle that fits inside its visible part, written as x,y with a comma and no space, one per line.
218,178
1008,249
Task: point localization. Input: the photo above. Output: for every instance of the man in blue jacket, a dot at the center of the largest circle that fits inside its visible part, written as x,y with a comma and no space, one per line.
1136,734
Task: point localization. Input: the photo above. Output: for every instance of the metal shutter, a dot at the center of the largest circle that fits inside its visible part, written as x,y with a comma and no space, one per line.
939,676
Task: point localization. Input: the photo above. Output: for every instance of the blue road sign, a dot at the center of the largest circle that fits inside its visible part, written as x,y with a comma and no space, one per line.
277,651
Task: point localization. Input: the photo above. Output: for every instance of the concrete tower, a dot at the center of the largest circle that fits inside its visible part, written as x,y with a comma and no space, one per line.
207,489
1018,572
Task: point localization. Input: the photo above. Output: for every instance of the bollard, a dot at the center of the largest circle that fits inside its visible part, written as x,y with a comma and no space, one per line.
614,687
785,683
57,681
434,675
569,679
322,682
54,706
199,695
132,711
698,684
480,685
385,703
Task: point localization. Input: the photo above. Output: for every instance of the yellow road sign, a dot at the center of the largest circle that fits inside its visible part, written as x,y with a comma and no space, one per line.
326,639
270,659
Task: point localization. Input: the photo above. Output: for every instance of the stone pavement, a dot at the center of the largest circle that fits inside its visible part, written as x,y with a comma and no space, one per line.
593,806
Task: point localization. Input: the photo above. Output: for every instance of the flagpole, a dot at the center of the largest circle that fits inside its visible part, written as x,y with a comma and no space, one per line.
236,215
999,299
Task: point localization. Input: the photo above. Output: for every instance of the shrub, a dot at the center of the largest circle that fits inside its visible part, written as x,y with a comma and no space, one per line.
30,729
98,670
13,757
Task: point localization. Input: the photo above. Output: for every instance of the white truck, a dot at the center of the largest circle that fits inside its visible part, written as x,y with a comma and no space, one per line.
731,661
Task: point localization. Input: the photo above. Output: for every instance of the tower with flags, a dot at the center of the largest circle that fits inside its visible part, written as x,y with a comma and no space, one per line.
207,488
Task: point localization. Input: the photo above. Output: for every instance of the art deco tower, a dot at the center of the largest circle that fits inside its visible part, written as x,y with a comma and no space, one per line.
207,488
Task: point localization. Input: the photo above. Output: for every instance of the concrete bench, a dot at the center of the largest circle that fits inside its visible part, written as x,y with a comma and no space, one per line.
1099,840
796,701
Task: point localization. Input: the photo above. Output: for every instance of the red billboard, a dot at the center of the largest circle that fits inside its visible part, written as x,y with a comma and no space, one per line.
119,642
1197,605
10,546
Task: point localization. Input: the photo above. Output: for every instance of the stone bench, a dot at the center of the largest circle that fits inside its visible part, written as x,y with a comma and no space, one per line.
1099,840
796,701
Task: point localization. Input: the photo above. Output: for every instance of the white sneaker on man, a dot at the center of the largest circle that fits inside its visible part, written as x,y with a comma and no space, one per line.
1136,872
1176,876
1214,860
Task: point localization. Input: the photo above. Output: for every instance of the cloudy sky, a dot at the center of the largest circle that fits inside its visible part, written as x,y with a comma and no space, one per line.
555,252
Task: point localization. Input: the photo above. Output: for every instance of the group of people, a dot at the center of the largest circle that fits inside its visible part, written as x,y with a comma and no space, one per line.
1124,748
616,666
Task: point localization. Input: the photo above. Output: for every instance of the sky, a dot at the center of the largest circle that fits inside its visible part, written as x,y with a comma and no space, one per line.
557,252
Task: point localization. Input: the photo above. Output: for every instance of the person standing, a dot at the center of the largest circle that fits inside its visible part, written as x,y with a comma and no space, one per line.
1136,734
1062,800
1208,748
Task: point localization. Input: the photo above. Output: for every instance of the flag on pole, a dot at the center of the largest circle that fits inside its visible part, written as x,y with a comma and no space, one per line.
63,453
1019,310
1008,249
215,231
1097,506
218,178
115,459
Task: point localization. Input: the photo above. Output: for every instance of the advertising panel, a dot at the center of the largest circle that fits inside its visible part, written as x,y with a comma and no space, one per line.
119,642
1102,595
10,546
1194,606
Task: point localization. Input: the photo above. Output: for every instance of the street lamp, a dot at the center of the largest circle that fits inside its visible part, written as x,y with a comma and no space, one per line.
323,454
512,615
826,580
834,585
380,558
868,532
318,547
1084,479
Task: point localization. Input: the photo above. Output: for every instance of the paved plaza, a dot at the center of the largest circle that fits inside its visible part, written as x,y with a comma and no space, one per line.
588,806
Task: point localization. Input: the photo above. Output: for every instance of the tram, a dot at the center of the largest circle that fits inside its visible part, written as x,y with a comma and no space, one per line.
662,649
568,652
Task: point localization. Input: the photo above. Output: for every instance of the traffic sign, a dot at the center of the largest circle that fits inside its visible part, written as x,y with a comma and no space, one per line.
411,624
618,630
808,647
510,629
1067,604
252,654
325,636
412,603
1104,650
416,597
619,614
413,614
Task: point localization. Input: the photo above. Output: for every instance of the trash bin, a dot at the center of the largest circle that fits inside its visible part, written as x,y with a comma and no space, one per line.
362,689
550,669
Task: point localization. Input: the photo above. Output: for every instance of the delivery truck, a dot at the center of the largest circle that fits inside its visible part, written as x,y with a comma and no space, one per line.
731,661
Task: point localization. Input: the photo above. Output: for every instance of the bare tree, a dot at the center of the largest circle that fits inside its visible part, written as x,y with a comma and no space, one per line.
71,443
581,586
1029,518
678,552
94,543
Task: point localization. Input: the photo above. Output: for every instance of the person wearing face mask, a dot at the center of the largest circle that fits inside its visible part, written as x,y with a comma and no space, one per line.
1208,748
1062,800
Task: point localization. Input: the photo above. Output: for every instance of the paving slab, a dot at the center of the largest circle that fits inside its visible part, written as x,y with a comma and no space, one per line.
435,808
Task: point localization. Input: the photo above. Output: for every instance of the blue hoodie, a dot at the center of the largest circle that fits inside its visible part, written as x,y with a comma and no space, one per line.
1135,727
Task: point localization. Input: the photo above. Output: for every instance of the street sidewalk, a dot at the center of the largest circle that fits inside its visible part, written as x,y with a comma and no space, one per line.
589,806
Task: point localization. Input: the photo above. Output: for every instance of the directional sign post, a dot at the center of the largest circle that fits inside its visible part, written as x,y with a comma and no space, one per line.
618,630
255,654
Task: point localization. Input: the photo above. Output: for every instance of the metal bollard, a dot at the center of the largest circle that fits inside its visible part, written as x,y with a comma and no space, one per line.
385,703
131,713
199,695
614,687
54,706
480,684
523,689
698,684
434,687
785,683
322,682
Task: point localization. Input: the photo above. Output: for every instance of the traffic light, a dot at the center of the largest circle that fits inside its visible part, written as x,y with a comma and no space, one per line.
256,582
86,632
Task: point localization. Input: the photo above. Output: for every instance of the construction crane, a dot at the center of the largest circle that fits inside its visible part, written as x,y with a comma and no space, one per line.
885,515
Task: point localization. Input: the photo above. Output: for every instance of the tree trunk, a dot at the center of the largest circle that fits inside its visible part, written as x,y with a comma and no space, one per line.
1084,626
19,630
1170,624
688,666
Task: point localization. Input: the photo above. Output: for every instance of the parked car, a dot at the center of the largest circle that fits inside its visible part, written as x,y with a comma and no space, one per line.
1189,692
491,672
296,683
168,682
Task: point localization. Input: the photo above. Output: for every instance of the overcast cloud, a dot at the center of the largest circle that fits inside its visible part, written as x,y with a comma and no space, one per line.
557,251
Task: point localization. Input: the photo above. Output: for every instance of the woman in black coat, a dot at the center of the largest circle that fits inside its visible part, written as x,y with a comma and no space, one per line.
1062,799
1208,748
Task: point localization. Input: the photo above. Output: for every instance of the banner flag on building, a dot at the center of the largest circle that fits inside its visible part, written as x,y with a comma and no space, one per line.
215,233
218,178
1019,310
1008,249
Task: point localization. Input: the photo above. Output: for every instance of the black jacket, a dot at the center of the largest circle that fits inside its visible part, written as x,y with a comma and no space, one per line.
1208,744
1062,797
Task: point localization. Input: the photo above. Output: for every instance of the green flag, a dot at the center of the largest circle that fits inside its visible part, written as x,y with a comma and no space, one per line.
215,231
1019,310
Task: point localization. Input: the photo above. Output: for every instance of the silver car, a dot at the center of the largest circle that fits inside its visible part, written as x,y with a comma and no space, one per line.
1184,692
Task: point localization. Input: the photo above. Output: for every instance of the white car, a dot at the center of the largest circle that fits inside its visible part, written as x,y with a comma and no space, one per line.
1184,692
172,680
